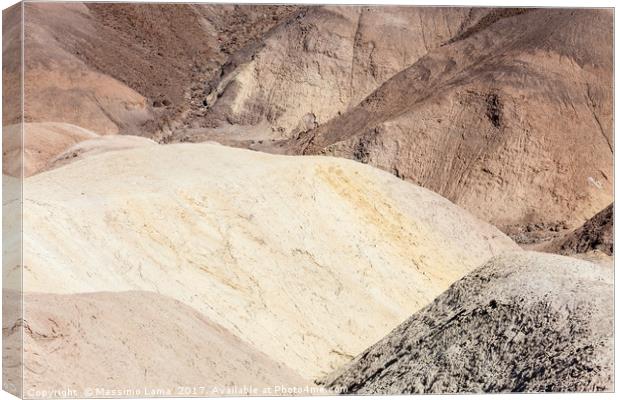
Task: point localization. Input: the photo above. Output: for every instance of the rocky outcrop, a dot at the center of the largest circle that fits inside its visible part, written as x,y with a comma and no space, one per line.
596,234
324,61
523,322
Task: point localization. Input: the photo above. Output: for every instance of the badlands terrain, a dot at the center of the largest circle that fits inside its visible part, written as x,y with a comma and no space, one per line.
522,322
291,199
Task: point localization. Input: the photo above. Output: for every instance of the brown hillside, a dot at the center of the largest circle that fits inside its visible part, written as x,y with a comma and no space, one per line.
512,121
506,112
128,68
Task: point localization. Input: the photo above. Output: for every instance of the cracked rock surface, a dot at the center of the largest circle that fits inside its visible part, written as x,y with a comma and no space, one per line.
523,322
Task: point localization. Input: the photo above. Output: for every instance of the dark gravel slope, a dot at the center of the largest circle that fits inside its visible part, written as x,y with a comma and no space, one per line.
523,322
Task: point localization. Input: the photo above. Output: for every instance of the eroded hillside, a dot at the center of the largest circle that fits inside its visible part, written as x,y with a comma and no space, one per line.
512,122
506,112
523,322
307,259
129,68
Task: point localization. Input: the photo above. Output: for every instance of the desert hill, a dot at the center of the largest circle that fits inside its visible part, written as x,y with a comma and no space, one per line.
307,259
135,340
512,121
523,322
128,68
506,112
47,145
596,234
59,84
324,61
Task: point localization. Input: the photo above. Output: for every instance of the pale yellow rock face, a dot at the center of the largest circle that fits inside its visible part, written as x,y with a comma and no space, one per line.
307,259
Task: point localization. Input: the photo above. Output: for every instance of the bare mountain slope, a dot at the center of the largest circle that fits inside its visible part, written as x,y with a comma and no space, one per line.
320,63
524,322
132,341
596,234
308,259
143,71
512,121
506,112
128,68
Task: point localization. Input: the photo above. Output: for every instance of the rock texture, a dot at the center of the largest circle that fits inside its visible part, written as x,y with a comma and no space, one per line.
511,118
128,68
523,322
596,234
322,62
308,259
132,341
506,112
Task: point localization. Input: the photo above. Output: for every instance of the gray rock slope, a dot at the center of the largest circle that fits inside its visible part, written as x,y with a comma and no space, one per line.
523,322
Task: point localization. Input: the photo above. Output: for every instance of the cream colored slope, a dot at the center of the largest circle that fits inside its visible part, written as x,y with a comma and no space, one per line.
134,340
98,145
308,259
41,141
